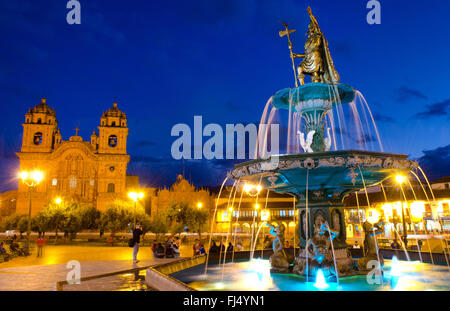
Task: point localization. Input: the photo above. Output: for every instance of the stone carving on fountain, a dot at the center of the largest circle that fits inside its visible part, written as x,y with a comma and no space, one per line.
318,253
280,260
370,245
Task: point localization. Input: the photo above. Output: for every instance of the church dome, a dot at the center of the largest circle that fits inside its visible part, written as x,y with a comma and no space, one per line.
114,111
43,108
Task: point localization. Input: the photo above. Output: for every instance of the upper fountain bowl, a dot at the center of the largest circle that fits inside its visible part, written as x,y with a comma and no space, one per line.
314,94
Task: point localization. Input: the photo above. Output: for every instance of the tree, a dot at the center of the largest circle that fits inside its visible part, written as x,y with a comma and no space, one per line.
184,215
41,223
56,215
116,218
16,222
159,225
90,217
199,219
72,223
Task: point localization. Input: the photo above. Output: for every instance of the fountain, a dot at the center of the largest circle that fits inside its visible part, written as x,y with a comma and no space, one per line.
318,177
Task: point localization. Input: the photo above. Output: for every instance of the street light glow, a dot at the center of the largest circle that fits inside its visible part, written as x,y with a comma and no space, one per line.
23,175
31,178
400,179
199,205
252,190
37,176
58,200
135,196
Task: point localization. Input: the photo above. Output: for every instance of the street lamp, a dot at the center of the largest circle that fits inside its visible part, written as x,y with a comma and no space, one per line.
30,179
400,179
58,200
252,190
135,196
199,205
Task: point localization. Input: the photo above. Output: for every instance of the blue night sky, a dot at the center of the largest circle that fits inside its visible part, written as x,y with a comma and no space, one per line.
166,61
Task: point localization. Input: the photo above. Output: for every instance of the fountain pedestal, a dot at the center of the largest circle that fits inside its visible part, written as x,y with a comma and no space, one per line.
315,244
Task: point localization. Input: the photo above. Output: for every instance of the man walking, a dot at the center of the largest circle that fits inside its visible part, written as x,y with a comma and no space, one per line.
137,232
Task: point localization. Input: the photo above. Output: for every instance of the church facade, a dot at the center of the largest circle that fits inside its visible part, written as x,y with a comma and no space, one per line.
91,172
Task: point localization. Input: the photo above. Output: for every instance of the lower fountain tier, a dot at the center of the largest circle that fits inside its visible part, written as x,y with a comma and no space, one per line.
328,176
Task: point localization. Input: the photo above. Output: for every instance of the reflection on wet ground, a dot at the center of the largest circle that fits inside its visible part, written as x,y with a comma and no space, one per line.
120,282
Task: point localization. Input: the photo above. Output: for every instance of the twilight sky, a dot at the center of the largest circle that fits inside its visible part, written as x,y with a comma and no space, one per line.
166,61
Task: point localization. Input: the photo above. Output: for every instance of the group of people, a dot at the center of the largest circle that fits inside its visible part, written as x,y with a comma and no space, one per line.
221,247
198,248
170,249
14,249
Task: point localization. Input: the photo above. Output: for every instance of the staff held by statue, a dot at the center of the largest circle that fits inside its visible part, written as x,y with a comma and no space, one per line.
283,33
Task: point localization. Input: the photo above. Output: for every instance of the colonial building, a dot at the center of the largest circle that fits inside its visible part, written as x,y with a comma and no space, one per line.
241,211
88,172
180,192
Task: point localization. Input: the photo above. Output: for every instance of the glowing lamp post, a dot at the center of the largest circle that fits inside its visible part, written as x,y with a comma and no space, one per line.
199,205
31,180
135,197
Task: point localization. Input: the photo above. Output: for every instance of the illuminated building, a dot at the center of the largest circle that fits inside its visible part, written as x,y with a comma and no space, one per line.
87,172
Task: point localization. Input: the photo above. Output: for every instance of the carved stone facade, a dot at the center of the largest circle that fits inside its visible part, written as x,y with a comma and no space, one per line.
88,172
181,192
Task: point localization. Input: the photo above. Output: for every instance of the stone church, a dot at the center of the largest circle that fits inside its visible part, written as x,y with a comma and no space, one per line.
88,172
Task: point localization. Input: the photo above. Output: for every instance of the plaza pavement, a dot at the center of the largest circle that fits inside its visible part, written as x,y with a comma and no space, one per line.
41,274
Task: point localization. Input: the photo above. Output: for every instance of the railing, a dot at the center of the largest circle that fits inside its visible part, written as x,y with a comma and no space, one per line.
355,219
443,214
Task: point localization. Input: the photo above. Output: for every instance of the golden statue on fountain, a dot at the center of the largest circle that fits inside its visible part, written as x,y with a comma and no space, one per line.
317,61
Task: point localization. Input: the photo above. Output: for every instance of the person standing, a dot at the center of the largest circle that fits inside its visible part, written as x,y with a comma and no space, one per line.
137,232
40,244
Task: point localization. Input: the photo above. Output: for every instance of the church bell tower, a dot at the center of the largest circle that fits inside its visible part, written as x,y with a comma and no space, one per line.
113,132
40,130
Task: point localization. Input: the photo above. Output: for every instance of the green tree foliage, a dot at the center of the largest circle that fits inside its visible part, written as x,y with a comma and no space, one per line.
15,222
183,214
159,225
116,218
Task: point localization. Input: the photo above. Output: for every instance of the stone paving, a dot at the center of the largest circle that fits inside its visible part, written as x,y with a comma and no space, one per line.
41,274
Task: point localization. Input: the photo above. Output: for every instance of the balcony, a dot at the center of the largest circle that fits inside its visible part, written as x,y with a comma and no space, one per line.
445,214
355,219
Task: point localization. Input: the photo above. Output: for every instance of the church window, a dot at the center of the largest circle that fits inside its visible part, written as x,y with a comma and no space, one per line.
112,140
39,121
50,121
54,182
111,187
112,168
92,182
73,183
113,123
37,139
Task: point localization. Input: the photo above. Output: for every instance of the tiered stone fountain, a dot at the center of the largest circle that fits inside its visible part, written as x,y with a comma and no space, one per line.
320,179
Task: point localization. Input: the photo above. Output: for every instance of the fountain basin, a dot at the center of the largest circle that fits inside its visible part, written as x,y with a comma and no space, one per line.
313,94
331,174
255,275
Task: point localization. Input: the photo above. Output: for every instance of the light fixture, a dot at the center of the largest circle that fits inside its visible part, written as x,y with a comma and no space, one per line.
135,196
400,179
